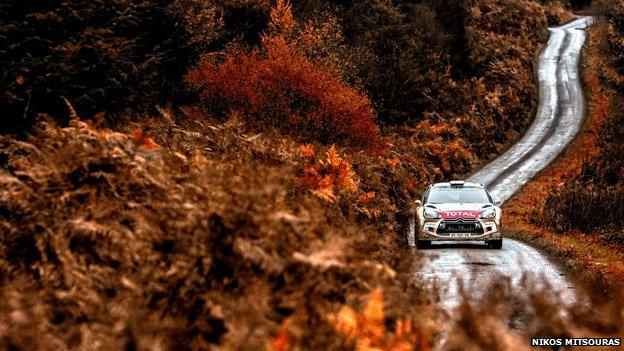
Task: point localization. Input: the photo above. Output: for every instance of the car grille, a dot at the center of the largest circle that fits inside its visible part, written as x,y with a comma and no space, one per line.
448,226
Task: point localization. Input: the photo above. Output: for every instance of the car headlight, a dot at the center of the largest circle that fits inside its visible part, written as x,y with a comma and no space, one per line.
489,213
429,213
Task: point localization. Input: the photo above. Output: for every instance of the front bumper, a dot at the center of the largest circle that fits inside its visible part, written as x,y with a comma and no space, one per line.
487,230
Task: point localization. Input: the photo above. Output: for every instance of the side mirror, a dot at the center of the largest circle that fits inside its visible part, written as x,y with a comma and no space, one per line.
418,203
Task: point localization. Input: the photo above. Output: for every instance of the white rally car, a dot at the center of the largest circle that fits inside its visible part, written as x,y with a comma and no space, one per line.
458,211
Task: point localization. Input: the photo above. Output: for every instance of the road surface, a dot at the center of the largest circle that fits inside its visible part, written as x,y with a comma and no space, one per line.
559,117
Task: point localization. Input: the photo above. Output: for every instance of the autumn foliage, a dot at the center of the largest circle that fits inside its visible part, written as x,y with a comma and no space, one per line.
236,220
277,86
593,182
328,176
557,210
144,140
367,330
101,55
194,238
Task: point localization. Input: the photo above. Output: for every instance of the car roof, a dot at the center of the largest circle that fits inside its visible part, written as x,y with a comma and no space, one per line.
457,184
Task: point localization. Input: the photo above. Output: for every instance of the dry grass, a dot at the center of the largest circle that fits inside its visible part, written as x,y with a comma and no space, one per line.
367,330
183,237
508,315
200,228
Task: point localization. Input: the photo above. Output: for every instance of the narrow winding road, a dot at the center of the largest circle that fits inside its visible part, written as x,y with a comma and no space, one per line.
559,118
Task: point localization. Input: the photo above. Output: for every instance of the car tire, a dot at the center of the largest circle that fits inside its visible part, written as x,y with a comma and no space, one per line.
495,244
423,244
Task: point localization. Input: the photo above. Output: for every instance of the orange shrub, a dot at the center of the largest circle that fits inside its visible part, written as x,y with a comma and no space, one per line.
307,150
277,85
330,175
281,342
367,330
144,140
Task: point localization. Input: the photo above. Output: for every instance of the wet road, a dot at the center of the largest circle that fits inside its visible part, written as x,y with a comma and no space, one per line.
559,117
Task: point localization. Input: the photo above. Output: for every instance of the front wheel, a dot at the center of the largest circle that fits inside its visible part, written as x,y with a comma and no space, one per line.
495,244
423,244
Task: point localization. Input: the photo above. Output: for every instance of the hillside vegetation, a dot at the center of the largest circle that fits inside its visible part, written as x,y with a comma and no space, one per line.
572,209
599,188
184,174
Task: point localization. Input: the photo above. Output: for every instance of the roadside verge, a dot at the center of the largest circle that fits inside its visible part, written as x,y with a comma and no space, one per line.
593,260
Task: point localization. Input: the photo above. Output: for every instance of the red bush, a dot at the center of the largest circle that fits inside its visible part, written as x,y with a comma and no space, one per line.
277,85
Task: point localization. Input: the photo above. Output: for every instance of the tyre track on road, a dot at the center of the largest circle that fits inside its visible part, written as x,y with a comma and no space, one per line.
559,117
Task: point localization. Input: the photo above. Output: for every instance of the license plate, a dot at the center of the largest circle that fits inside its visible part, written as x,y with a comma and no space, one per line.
459,235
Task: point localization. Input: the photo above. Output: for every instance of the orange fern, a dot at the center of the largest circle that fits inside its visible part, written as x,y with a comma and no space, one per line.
328,176
282,20
371,213
144,140
366,197
394,162
367,330
342,170
307,150
281,342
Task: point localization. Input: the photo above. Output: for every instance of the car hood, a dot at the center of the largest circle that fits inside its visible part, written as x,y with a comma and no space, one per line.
459,210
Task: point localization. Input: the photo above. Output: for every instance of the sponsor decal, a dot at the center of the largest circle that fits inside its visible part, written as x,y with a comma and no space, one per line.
466,214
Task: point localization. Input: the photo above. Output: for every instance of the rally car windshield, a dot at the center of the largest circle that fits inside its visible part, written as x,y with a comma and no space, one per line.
457,195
